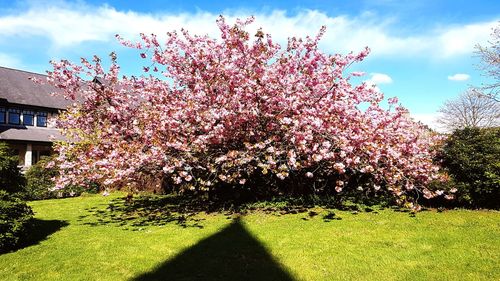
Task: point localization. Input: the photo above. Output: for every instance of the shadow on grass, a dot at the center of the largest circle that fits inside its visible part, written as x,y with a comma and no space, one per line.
231,254
42,229
143,211
155,210
39,231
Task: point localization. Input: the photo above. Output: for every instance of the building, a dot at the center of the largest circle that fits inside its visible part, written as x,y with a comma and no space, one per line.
26,109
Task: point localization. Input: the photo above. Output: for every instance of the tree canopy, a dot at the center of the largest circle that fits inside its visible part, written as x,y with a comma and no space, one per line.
240,110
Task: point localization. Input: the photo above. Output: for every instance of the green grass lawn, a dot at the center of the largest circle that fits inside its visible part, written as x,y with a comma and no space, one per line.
85,238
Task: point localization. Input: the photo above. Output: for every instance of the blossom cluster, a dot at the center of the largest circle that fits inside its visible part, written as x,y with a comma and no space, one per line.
208,112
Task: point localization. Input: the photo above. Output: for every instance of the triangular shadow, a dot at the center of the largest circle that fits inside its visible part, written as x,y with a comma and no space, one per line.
231,254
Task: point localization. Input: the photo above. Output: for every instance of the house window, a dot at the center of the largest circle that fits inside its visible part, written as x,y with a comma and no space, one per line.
28,117
41,119
2,115
14,116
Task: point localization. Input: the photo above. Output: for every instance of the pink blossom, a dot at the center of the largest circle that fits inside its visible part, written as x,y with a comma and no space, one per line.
339,167
317,157
357,73
393,100
224,110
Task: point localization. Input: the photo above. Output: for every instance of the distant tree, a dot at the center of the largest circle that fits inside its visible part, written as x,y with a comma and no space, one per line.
472,109
490,64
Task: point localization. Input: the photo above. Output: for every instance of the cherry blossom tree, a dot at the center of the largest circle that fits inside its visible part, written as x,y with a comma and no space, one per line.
237,111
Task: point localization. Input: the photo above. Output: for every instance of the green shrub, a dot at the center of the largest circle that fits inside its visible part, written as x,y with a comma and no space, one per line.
39,183
39,180
11,179
472,158
15,219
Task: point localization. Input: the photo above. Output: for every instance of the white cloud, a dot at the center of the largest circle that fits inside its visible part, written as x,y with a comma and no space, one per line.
379,78
462,39
68,25
459,77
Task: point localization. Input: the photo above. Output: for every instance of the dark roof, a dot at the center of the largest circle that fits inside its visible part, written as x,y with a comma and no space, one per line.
16,87
29,133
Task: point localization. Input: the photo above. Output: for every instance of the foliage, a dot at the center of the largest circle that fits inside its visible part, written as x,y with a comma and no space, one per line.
11,179
471,157
15,217
40,182
238,114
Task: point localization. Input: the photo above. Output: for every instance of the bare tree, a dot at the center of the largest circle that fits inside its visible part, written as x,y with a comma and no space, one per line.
470,109
490,64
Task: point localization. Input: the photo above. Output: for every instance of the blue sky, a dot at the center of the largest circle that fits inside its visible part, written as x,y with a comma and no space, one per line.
422,51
